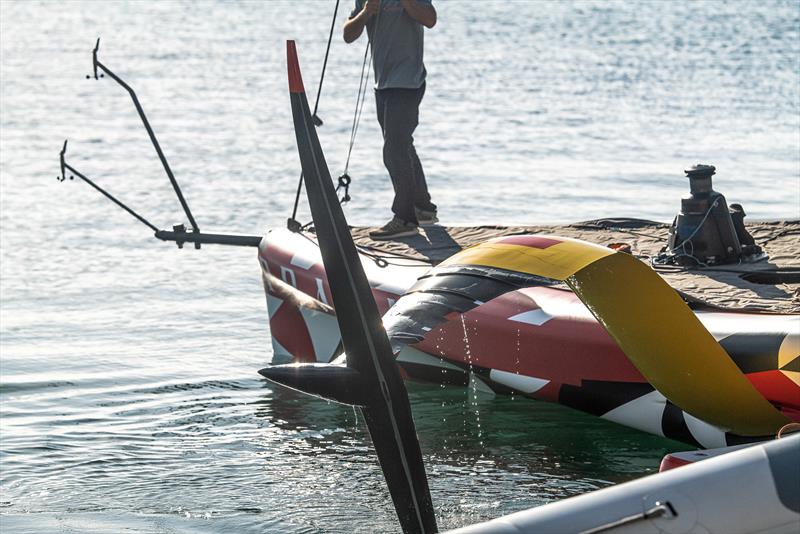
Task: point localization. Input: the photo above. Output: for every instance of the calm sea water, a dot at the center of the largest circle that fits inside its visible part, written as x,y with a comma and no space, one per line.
129,398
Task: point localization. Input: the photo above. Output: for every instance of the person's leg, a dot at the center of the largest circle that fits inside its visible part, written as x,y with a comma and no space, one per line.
380,105
382,99
422,198
400,117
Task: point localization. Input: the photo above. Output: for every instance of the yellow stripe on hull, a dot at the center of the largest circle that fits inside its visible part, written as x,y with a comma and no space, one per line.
670,347
557,261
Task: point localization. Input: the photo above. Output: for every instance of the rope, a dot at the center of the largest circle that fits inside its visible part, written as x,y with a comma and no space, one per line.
382,259
366,65
671,255
788,231
344,179
325,63
659,509
292,223
697,229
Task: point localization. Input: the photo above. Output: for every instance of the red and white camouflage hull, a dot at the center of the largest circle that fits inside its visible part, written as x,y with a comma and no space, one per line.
541,342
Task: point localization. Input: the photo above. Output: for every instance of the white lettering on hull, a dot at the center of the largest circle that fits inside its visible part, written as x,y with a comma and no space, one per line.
287,275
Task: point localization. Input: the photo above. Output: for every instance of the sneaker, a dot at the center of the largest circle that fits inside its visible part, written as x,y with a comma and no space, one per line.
394,228
426,217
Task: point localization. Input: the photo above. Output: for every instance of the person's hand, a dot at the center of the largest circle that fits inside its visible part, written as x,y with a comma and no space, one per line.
371,7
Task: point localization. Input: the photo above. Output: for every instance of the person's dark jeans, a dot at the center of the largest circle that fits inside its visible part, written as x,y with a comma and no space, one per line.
398,115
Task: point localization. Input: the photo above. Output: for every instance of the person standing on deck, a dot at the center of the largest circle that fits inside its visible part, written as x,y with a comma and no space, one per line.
395,32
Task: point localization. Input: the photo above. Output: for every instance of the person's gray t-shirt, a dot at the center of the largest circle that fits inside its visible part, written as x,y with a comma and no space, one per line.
397,42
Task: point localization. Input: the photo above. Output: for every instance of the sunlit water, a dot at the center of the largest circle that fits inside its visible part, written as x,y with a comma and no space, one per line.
130,399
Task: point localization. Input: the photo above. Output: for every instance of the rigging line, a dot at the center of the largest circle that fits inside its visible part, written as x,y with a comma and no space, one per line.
788,231
362,92
316,103
596,226
697,229
667,256
362,88
381,259
325,61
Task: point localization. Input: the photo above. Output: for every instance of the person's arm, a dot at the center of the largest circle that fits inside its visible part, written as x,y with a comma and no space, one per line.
353,27
422,12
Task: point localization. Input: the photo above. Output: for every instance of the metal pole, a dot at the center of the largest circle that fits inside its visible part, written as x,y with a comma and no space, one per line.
97,64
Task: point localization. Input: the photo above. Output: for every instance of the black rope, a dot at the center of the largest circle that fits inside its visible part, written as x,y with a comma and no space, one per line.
292,222
381,258
317,120
366,64
344,180
363,82
788,231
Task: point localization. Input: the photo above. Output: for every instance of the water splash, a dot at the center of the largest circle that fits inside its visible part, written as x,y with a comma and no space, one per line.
472,388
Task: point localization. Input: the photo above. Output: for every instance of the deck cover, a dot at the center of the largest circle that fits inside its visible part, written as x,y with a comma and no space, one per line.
719,287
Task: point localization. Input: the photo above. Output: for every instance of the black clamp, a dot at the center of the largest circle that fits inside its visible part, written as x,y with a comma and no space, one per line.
294,225
179,229
344,182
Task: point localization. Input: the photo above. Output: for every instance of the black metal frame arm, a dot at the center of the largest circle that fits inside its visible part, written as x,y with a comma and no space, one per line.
96,64
67,167
179,233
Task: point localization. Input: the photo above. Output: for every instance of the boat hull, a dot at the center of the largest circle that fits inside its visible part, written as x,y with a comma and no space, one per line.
538,341
709,496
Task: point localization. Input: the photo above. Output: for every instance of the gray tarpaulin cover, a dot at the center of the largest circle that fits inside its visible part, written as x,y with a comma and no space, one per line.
730,287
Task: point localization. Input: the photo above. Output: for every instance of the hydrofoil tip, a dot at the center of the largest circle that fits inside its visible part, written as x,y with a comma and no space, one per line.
295,79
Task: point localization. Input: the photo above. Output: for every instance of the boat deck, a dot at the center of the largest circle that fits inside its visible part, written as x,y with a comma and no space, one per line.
771,286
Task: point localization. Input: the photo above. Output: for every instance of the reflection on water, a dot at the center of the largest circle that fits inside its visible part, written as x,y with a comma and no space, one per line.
129,397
